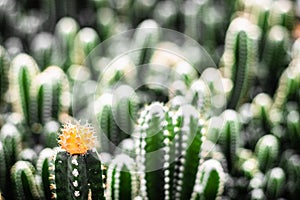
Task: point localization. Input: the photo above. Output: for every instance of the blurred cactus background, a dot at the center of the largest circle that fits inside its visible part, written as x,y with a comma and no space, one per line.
169,120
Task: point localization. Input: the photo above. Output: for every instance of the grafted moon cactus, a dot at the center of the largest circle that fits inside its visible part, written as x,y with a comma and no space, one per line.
75,170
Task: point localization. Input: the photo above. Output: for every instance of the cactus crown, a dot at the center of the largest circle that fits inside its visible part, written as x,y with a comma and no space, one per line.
77,138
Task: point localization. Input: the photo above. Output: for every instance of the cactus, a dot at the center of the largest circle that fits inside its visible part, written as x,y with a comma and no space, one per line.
43,49
4,67
210,181
22,72
150,137
50,95
266,151
282,13
116,115
86,41
275,182
24,183
230,137
42,166
146,37
50,134
122,180
65,31
28,155
274,57
190,132
3,168
240,58
75,171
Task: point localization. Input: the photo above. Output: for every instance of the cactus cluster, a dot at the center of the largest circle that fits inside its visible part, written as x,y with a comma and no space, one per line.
101,100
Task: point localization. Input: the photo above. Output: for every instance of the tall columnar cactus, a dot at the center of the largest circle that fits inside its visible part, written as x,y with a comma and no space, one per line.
230,137
122,178
22,72
4,67
275,57
50,95
151,138
146,38
275,183
266,150
199,96
50,134
288,85
293,128
65,31
43,49
3,169
117,115
76,171
42,166
282,13
85,42
240,58
210,181
11,146
24,182
293,175
190,132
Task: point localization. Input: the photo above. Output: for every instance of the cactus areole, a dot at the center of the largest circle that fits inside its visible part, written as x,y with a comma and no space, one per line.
77,138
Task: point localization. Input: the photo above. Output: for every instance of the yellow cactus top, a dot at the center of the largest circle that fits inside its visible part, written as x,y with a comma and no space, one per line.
77,138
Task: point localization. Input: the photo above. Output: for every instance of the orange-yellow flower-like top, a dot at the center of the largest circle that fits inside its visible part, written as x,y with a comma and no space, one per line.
77,138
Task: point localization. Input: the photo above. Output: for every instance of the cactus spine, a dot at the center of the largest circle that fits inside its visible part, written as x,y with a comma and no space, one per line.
76,171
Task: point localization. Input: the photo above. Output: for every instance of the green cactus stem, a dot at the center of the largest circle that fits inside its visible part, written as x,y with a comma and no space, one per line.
77,172
275,182
230,137
42,166
210,181
282,13
24,183
240,58
22,72
151,137
65,32
190,132
122,180
3,168
4,67
266,150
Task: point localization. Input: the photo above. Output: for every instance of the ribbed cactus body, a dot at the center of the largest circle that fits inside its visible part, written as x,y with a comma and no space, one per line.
275,182
282,13
122,179
117,115
24,183
42,166
146,37
189,135
210,181
3,168
266,150
50,134
76,176
275,56
230,137
4,67
85,41
49,95
43,49
150,134
22,72
65,31
240,58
